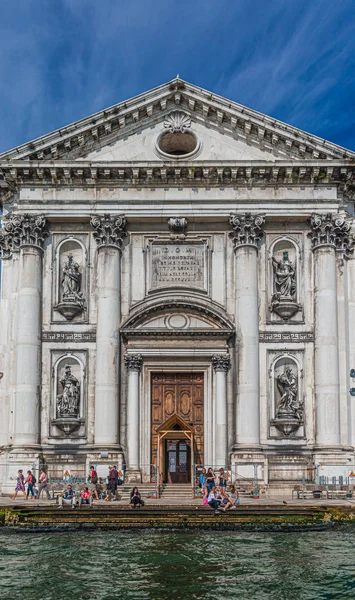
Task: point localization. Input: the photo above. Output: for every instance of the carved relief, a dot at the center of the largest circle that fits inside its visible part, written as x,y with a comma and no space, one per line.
178,225
284,298
133,362
22,230
221,362
109,231
332,230
248,229
177,122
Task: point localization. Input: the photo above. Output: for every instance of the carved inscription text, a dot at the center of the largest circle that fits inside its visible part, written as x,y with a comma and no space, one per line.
178,264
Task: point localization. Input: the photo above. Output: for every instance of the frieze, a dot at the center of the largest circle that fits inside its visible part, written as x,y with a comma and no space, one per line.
285,336
68,336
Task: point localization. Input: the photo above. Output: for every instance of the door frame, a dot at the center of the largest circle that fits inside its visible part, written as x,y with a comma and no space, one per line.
189,453
165,431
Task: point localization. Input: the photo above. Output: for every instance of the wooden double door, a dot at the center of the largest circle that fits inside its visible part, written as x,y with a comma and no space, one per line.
180,394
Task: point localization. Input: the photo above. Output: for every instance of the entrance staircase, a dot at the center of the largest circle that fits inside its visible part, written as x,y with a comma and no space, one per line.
175,491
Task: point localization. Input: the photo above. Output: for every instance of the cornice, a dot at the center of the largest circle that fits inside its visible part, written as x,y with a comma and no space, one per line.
192,173
79,138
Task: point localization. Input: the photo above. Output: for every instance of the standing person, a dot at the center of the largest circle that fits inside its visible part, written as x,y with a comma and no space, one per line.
210,480
30,480
112,483
94,481
20,484
203,484
222,480
214,500
135,499
43,484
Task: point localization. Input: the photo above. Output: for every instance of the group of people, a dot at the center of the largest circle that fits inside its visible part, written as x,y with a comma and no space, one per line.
214,488
30,481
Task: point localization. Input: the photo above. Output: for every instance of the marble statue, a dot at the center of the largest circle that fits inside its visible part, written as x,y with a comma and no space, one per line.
288,387
71,281
68,401
285,277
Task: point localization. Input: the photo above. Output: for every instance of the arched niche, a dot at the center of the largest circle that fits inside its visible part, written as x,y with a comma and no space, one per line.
284,278
68,388
286,389
71,277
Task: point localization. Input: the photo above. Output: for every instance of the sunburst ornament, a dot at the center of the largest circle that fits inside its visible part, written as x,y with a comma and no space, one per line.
177,122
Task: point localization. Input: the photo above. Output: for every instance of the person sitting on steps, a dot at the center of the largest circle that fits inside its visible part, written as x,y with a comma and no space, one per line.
85,497
214,499
233,499
135,498
68,498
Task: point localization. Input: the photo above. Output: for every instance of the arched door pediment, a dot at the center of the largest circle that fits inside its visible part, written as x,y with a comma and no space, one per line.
178,317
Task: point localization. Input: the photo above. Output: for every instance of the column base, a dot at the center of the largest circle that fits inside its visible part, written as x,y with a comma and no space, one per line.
133,476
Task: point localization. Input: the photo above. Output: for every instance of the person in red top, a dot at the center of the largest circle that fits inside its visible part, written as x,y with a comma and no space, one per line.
30,480
85,497
94,480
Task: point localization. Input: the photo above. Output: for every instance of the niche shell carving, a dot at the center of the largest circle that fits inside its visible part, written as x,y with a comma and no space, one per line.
72,297
283,301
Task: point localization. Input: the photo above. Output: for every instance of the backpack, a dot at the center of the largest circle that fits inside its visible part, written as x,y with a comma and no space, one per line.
34,480
94,477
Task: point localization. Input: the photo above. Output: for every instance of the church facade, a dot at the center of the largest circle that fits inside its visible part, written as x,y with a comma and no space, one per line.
178,290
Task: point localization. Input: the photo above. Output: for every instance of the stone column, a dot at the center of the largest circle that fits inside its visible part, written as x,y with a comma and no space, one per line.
247,233
328,233
109,233
27,233
221,364
134,364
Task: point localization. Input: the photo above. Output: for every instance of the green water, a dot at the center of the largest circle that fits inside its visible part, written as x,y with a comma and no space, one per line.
99,565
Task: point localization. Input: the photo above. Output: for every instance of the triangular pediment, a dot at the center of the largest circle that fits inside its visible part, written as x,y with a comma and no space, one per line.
128,132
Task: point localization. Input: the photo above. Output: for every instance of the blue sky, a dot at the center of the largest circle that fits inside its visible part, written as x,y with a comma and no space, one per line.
61,60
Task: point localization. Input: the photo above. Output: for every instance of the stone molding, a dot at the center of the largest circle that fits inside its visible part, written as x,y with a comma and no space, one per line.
198,173
109,231
68,336
285,336
332,230
133,362
221,362
248,229
22,230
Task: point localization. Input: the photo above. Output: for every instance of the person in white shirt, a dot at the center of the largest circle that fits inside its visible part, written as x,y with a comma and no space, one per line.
214,500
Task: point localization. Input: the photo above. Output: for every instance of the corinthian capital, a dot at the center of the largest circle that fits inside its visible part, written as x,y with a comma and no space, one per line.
133,362
109,231
332,230
248,229
22,230
221,362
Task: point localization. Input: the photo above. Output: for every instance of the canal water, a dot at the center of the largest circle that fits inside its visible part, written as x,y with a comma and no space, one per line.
105,565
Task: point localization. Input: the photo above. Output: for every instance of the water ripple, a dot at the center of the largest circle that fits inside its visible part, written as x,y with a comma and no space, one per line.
100,565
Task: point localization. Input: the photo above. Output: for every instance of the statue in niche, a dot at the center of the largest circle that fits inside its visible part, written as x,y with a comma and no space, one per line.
285,277
68,402
283,301
290,407
71,281
72,302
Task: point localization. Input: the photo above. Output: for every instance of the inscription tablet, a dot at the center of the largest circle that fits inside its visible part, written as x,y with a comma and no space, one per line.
178,264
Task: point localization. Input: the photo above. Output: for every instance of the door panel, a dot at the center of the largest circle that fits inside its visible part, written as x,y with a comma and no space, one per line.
183,394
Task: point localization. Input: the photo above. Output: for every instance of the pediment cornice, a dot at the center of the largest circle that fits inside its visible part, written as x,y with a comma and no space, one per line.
80,138
172,173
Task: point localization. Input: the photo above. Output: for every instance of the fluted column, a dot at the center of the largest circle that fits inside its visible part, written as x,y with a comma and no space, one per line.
134,364
328,233
247,233
109,233
26,234
221,364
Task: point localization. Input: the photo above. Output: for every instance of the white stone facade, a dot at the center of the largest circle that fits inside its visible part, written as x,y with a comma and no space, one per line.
204,237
